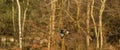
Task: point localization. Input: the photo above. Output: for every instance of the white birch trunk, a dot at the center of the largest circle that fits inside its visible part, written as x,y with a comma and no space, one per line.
19,23
52,22
95,27
100,22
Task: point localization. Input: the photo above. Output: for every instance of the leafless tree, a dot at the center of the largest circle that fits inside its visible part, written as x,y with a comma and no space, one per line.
95,26
52,22
24,17
88,24
19,20
100,22
13,20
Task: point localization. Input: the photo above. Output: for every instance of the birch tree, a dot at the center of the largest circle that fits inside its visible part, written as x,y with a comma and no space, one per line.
95,27
13,20
88,24
24,17
52,22
100,22
78,13
19,23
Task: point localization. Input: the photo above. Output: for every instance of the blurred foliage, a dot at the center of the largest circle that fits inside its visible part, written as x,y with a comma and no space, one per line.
37,22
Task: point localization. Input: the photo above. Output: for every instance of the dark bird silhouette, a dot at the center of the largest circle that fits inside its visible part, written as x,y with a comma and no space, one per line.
64,32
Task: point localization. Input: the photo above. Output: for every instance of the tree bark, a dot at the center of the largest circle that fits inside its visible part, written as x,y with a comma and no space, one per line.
88,25
19,23
95,27
13,20
100,22
24,17
52,23
63,43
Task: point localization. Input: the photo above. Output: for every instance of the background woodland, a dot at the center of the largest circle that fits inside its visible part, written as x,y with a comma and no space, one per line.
36,24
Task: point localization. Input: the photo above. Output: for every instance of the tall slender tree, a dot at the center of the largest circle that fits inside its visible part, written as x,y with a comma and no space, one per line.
24,17
52,23
78,14
13,20
19,23
100,22
95,26
88,24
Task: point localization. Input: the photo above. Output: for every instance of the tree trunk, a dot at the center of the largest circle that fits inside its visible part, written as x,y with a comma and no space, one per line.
88,26
19,23
24,17
100,22
52,22
95,27
63,43
13,20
